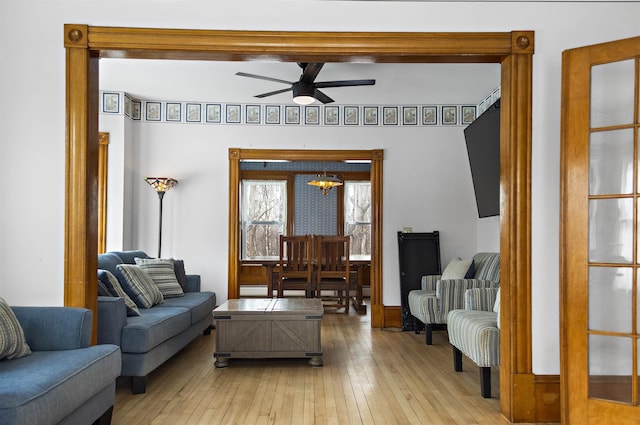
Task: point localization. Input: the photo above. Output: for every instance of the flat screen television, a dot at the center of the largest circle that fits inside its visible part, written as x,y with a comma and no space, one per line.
483,147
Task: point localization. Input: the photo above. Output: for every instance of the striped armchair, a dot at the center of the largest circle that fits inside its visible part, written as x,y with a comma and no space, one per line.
430,305
475,332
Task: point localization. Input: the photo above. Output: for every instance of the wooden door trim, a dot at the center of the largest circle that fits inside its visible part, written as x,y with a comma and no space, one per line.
513,50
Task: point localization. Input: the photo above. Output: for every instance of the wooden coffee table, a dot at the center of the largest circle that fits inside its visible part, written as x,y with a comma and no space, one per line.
268,328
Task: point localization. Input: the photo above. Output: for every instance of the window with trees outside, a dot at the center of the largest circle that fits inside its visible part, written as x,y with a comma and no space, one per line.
357,216
264,217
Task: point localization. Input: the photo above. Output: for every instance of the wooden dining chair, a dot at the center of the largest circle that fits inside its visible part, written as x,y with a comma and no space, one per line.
295,268
332,270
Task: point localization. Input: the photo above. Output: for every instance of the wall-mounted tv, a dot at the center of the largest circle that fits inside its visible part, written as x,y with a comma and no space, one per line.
483,147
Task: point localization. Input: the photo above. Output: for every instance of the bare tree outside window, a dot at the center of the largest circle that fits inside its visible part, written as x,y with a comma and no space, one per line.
263,217
357,216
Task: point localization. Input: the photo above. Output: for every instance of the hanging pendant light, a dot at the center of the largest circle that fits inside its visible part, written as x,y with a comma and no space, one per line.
325,182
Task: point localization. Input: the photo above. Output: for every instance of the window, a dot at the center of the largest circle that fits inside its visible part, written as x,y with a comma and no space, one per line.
357,216
264,217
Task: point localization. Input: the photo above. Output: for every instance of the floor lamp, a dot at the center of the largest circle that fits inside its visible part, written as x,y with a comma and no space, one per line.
161,185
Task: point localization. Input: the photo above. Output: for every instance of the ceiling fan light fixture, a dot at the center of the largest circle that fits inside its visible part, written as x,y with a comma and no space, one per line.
303,93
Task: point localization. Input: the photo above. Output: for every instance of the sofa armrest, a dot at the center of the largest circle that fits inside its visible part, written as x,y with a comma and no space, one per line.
55,328
112,316
428,283
193,283
481,299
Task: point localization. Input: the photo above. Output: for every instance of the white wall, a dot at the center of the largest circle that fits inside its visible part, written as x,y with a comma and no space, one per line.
195,212
32,121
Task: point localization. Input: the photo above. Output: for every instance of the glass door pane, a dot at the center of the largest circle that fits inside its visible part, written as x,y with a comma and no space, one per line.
613,243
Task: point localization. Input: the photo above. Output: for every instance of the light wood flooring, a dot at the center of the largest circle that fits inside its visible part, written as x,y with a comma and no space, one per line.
370,376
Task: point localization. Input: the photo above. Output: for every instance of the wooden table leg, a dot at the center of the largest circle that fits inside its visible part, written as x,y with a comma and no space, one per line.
357,301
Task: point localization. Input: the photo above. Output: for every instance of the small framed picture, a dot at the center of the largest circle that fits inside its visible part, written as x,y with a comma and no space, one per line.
449,115
135,110
292,114
429,115
252,114
409,115
194,111
127,105
173,111
111,103
390,115
312,115
370,115
468,114
331,115
233,114
153,112
213,113
272,113
351,115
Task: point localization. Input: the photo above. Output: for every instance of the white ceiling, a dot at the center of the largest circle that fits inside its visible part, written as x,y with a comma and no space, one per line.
201,81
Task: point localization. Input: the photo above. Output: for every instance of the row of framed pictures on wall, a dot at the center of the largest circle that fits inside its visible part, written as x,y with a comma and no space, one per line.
271,114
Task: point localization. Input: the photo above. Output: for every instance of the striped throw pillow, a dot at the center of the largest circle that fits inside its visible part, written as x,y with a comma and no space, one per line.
12,341
139,286
162,272
109,285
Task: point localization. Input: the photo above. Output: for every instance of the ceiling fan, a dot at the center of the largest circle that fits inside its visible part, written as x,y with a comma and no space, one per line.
305,90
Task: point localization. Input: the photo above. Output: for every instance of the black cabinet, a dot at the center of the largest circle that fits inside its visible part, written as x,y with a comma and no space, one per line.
419,255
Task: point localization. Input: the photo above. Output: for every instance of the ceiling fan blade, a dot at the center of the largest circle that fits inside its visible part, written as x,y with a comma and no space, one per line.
322,97
271,93
310,72
262,77
345,83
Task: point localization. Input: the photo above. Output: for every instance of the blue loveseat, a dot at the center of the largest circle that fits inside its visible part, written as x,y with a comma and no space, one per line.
63,380
159,332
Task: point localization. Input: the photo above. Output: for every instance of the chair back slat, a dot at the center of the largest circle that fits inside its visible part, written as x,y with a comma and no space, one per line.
295,268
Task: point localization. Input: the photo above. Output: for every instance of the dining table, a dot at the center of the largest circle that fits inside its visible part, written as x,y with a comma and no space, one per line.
359,265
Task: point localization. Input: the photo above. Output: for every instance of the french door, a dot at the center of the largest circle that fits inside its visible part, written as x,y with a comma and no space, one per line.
600,221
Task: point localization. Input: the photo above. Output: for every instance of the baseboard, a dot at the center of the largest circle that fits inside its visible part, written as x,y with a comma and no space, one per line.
547,390
393,317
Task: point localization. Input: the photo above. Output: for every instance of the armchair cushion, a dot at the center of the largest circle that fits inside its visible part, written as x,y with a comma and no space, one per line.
458,269
13,343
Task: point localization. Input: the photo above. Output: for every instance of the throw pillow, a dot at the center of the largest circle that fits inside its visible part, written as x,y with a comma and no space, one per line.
108,283
163,275
12,341
456,269
472,271
181,275
140,286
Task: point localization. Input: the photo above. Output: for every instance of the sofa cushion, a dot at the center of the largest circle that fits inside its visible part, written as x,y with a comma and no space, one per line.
162,273
12,341
200,304
51,384
129,257
140,287
113,288
181,274
109,261
154,326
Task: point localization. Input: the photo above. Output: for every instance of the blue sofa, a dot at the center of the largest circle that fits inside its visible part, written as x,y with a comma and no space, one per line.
64,380
148,340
